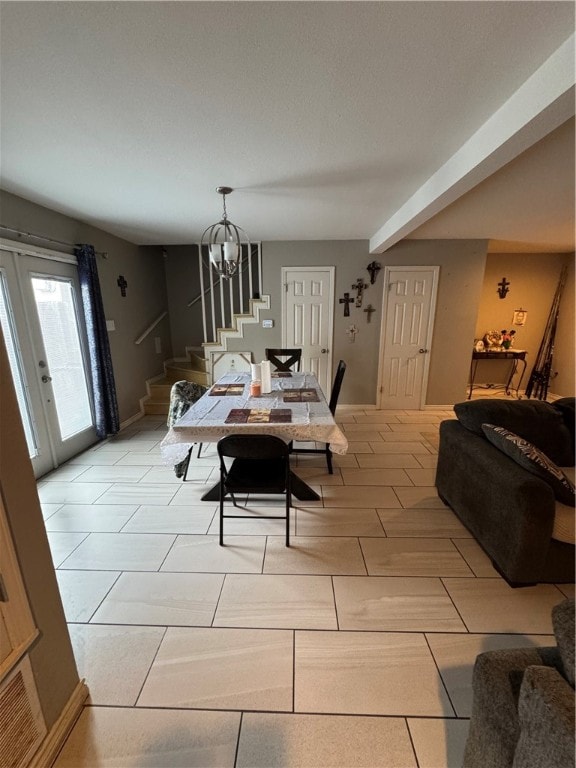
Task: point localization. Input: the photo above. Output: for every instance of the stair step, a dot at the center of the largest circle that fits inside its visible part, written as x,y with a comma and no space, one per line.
152,409
160,391
185,372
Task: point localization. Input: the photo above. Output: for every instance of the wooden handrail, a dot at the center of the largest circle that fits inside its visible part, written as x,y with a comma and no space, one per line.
151,327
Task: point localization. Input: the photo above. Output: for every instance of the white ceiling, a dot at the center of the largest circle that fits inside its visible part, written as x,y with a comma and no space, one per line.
332,120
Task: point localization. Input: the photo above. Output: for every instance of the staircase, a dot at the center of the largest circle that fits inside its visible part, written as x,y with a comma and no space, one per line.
197,366
192,369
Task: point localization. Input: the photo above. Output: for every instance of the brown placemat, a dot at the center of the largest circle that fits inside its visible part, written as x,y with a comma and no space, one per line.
259,416
221,390
281,375
305,395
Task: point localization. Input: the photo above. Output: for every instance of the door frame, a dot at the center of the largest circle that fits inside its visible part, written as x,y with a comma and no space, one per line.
388,272
331,270
29,339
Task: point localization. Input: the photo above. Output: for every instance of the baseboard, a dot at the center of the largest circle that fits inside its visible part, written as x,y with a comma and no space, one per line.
60,731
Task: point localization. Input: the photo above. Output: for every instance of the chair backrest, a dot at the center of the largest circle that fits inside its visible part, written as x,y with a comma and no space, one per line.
335,394
182,395
253,447
294,357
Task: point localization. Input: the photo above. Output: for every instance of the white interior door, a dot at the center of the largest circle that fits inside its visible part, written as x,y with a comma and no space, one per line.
43,327
308,318
406,336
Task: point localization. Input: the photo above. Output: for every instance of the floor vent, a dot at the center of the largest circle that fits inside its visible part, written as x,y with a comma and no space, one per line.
22,726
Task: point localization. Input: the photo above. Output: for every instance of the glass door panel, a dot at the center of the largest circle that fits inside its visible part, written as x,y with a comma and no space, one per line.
16,366
59,328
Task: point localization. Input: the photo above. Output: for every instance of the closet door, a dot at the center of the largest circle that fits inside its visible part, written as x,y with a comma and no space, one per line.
44,331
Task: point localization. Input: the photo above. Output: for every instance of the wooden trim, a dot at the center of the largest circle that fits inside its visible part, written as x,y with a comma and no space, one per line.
54,741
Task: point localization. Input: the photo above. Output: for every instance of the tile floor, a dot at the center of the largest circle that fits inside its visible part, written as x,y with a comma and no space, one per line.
352,648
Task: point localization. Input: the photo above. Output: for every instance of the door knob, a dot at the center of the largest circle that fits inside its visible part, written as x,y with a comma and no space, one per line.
323,351
422,351
46,379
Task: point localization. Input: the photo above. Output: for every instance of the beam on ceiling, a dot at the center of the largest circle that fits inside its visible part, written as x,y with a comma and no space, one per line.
541,104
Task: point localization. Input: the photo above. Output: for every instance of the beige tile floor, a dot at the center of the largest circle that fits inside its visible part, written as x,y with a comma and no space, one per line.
352,648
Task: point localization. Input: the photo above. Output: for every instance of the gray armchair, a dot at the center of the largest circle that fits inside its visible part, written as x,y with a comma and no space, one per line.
523,706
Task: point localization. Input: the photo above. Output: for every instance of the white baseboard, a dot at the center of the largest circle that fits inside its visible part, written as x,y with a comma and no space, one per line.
54,741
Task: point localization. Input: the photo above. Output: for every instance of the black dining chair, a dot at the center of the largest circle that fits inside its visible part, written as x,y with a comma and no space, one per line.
292,363
260,464
334,395
182,396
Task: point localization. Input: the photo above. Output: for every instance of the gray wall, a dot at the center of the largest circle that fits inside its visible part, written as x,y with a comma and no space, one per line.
143,269
51,656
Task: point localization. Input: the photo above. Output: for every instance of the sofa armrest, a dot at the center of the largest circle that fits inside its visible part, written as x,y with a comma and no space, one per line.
496,682
508,510
546,717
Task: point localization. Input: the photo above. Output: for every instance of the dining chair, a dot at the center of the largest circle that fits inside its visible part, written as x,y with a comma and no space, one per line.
260,464
294,358
334,395
182,396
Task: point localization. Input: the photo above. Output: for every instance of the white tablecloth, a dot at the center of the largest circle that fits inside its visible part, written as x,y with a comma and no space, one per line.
205,421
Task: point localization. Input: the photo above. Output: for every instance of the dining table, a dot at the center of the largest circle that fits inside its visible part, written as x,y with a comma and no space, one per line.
294,410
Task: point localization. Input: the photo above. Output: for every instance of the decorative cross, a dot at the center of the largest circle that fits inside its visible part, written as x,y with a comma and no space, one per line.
359,286
346,301
122,284
503,288
351,333
369,309
374,267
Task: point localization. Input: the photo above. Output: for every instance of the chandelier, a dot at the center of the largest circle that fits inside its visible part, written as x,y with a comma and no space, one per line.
224,241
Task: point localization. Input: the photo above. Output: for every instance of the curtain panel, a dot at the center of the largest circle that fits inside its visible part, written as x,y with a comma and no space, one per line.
107,421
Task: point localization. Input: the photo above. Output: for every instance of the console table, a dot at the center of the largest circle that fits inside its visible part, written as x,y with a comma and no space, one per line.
499,354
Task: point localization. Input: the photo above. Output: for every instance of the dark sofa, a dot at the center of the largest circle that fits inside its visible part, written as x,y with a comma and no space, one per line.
510,511
523,705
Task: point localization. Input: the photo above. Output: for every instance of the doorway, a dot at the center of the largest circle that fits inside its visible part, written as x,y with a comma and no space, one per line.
43,326
406,336
308,318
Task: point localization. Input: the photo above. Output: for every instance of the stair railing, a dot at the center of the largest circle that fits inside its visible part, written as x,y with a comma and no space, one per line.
151,327
217,301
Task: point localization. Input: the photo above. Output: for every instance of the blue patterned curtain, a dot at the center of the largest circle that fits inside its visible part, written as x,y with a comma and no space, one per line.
103,387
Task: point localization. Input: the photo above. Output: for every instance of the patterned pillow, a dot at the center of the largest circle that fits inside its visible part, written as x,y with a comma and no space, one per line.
532,459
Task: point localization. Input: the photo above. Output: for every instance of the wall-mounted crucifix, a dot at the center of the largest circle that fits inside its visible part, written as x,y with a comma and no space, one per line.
374,267
503,288
369,309
347,300
359,287
351,333
122,284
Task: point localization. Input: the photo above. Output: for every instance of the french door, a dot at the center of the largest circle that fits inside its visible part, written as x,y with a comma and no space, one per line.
44,333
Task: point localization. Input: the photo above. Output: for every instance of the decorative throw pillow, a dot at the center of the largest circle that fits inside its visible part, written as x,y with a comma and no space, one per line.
532,459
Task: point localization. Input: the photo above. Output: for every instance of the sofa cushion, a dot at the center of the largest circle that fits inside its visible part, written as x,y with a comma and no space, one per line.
534,420
563,623
533,459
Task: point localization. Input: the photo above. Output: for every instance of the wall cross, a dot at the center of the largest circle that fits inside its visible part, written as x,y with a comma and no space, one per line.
351,333
374,267
347,300
359,287
369,309
503,288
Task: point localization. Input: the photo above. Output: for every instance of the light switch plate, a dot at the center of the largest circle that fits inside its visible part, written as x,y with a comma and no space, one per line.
110,325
